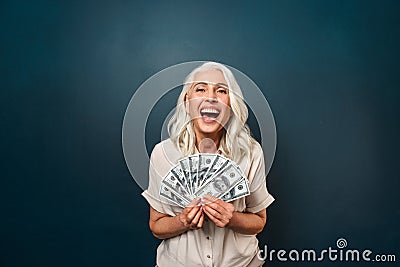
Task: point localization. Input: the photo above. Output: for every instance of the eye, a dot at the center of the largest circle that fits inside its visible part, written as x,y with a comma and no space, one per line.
222,90
199,89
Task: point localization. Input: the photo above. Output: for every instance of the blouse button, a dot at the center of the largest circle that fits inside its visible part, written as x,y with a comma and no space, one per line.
208,256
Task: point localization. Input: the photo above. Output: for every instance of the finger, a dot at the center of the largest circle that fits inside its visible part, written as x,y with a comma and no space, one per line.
201,221
219,211
195,202
209,215
215,206
192,213
213,219
213,201
214,213
209,199
196,219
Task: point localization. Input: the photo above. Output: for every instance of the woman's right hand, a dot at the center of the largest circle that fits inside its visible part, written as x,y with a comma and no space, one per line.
165,226
192,216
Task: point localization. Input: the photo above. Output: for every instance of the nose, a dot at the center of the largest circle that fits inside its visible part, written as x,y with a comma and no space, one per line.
211,96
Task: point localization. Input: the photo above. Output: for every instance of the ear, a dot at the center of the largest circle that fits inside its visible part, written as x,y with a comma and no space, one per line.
186,103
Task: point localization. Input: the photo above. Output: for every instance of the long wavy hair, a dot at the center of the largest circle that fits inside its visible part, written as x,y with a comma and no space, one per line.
236,140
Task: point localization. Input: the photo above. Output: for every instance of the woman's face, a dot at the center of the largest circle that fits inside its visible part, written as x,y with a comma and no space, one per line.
208,103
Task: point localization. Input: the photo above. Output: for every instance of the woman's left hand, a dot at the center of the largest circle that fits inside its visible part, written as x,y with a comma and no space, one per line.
217,210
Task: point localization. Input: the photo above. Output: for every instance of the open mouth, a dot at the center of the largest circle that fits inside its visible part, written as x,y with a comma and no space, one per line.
209,114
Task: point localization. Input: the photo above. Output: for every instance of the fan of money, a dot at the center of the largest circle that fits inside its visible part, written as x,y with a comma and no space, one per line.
200,174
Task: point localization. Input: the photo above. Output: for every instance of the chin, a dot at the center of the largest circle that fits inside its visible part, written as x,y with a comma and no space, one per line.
210,130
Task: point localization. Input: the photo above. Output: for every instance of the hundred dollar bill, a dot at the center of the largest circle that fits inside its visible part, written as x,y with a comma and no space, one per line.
218,164
179,175
205,161
221,182
184,164
193,167
172,196
241,189
173,183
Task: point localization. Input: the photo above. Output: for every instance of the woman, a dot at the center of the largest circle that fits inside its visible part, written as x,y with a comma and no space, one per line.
210,117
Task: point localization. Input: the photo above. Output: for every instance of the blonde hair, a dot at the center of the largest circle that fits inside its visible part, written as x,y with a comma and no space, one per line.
236,141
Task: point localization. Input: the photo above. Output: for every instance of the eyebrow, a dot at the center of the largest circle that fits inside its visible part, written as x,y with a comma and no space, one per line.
205,83
222,84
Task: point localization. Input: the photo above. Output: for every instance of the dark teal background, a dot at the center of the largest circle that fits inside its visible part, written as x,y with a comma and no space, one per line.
329,70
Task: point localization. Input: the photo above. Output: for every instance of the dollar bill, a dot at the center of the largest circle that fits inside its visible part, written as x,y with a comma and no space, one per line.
217,165
193,168
205,162
221,181
184,164
202,174
173,183
178,173
172,196
241,189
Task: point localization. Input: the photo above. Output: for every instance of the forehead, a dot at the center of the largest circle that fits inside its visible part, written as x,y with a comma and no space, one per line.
210,76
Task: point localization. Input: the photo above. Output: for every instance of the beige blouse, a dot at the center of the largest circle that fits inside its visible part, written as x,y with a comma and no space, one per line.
210,245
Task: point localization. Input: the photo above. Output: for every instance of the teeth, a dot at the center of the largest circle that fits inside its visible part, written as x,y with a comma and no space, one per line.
209,110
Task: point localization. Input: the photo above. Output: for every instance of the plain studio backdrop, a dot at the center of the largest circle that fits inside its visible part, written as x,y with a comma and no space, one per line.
329,70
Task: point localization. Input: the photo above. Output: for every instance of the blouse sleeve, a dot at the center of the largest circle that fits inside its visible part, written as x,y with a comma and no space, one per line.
152,192
161,160
160,163
259,197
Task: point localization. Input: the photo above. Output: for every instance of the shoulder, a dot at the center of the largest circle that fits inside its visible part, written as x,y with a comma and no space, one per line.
165,150
253,160
256,155
256,150
163,146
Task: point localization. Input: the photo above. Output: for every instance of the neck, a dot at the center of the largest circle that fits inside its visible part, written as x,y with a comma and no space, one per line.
203,141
